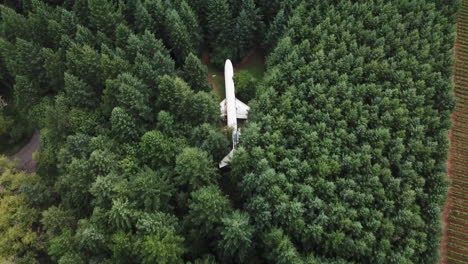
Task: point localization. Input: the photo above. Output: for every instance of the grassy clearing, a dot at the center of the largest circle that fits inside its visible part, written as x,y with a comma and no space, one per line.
216,79
254,63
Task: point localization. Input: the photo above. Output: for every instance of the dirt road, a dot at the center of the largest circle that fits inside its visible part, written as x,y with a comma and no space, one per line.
24,156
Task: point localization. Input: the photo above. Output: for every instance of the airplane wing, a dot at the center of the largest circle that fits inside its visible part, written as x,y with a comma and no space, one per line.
222,107
242,109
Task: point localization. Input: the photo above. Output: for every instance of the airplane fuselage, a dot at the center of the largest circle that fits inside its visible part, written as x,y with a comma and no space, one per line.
233,109
230,96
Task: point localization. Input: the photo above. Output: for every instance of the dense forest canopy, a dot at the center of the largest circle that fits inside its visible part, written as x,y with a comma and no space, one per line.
342,159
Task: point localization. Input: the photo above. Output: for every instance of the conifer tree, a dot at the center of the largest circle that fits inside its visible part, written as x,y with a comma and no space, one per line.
196,74
178,36
192,24
246,27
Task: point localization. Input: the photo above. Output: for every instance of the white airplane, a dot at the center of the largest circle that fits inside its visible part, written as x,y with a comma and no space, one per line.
233,108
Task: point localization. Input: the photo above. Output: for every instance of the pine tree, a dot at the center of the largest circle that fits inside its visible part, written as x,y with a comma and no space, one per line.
123,125
178,36
80,8
104,16
236,236
218,16
246,26
77,92
196,74
190,20
143,19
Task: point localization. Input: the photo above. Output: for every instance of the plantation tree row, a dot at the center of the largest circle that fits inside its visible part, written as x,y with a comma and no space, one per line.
342,159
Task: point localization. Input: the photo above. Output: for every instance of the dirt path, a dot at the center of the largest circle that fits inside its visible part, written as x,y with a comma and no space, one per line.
453,249
24,156
447,208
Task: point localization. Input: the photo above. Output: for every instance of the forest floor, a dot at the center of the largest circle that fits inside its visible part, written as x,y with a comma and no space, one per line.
454,240
253,62
24,157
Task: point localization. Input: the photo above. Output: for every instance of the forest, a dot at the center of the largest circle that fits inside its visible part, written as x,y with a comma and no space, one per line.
342,159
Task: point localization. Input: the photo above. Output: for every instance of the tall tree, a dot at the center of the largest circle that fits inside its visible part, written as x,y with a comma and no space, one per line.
178,36
129,93
218,16
236,236
246,27
174,93
196,74
124,127
207,207
18,242
104,16
78,93
191,21
194,169
163,247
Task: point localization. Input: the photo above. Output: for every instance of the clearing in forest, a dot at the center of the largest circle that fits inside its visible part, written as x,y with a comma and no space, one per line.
254,63
454,242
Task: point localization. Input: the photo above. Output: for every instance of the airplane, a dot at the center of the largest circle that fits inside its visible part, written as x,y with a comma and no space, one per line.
233,108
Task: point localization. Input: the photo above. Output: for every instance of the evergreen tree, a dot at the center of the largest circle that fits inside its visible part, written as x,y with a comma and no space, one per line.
194,169
78,93
236,236
178,36
84,62
174,93
104,16
123,125
218,16
163,247
192,24
196,74
130,93
246,26
207,207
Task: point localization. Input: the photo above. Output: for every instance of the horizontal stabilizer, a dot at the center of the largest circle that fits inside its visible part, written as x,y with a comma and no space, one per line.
226,159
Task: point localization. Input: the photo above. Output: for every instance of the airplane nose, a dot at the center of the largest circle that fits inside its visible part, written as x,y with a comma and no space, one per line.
228,69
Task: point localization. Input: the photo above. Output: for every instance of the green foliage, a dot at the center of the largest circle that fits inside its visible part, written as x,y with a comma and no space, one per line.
246,85
77,92
55,220
157,149
163,247
123,125
130,93
207,207
201,108
84,62
246,27
153,190
191,21
196,74
236,236
218,16
174,93
5,124
280,248
18,241
342,159
104,16
194,168
211,140
178,35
